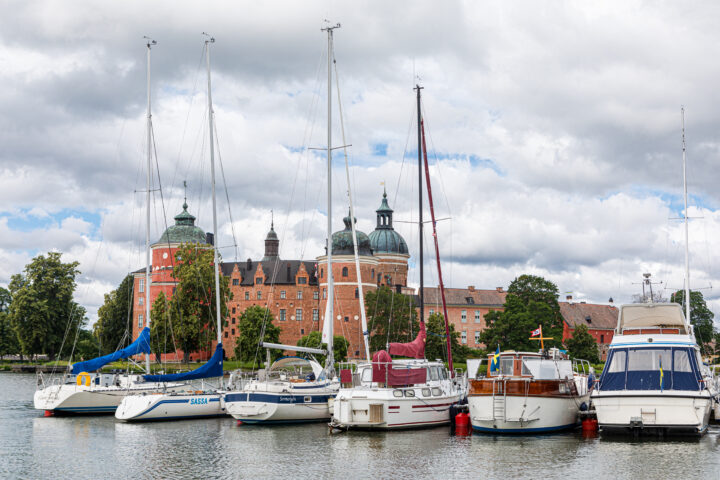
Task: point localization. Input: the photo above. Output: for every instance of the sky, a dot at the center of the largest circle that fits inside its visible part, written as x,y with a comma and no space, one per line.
553,128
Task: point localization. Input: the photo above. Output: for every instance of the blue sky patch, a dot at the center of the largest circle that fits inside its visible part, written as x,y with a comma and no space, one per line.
379,149
25,222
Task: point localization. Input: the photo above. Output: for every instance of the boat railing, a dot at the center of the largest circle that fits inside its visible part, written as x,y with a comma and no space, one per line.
581,367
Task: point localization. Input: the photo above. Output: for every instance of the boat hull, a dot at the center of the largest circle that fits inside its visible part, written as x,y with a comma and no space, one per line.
151,407
652,412
521,414
272,407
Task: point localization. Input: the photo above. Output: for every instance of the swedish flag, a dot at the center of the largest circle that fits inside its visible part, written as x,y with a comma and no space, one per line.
662,375
495,361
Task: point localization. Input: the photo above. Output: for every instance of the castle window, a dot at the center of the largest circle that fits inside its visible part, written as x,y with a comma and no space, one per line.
141,285
324,292
345,272
233,320
141,300
347,319
302,331
316,295
282,293
463,316
299,294
302,280
140,321
247,295
477,337
477,316
226,334
463,337
316,315
258,281
298,314
282,315
379,278
372,273
357,295
236,281
232,331
322,270
259,295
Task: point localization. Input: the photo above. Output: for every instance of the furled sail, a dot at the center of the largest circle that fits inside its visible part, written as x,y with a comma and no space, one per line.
383,371
213,368
414,349
141,345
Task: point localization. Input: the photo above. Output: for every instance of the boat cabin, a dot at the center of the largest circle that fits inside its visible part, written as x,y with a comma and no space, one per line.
530,365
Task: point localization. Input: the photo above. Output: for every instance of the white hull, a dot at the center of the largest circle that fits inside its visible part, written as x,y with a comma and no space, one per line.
379,409
268,403
521,414
80,399
172,406
671,410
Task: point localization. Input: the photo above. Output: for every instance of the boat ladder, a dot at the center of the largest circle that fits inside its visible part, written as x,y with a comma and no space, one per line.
499,400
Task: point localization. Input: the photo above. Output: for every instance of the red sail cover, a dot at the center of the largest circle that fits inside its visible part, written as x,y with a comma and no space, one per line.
384,371
414,349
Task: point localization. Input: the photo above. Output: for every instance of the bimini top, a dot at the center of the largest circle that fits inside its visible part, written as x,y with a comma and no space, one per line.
651,315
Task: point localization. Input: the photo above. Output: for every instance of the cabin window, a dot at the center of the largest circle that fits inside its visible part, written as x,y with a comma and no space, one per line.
282,293
525,369
681,361
434,374
410,393
648,359
397,393
436,391
366,375
617,364
426,392
506,365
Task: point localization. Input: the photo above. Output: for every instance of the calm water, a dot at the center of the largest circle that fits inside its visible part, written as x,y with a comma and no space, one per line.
32,446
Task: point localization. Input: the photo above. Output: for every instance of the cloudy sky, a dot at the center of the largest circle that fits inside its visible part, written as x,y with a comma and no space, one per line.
554,129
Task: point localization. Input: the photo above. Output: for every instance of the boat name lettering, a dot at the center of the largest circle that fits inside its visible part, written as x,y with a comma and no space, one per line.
198,401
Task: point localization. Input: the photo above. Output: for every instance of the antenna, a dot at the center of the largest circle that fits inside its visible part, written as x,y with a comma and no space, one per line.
150,41
210,39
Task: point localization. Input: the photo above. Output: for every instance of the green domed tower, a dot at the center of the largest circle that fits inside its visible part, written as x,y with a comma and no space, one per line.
390,248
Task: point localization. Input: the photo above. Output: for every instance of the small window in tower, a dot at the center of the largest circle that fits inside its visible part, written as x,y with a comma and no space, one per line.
357,295
379,278
141,300
322,270
141,285
298,314
324,292
345,272
316,295
236,281
140,321
347,319
315,315
226,334
299,294
233,320
282,293
283,314
247,295
302,280
232,331
372,273
259,295
258,281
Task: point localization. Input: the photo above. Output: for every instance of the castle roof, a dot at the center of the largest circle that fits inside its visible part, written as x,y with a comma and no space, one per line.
342,241
384,239
184,230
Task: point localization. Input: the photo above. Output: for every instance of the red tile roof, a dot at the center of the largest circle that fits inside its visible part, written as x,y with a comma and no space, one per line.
602,317
465,296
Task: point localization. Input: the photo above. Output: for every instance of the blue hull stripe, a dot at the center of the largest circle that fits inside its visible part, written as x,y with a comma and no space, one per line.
179,417
278,398
525,430
282,422
170,401
86,409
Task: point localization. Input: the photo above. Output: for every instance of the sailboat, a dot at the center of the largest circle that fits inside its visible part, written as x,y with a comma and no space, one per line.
387,394
295,389
81,392
654,380
199,403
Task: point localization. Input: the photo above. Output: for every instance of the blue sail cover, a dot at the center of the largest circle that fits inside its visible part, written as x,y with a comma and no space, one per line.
141,345
213,368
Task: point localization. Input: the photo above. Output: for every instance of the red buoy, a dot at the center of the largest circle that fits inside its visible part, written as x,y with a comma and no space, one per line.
462,419
590,425
49,413
239,422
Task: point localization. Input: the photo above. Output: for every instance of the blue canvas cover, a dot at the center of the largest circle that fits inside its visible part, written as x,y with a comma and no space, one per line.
141,345
639,369
213,368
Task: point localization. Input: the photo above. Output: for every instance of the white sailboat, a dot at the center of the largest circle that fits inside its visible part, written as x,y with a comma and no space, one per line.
654,380
387,394
188,404
294,389
80,392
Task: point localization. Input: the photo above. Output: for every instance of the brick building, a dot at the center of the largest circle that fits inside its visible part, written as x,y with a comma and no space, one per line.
600,320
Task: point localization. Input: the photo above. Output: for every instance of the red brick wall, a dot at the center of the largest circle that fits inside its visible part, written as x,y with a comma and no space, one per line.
603,337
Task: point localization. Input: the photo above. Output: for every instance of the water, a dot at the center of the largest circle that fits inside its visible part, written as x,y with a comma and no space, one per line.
32,446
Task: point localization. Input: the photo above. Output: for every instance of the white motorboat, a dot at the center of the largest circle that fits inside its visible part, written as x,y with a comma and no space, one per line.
654,379
528,393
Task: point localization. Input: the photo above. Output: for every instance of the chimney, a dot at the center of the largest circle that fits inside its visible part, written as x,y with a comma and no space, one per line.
210,238
499,289
568,298
471,288
610,300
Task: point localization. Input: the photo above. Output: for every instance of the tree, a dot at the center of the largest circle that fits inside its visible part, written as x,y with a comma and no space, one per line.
531,301
192,307
43,313
313,340
87,345
392,317
583,345
113,324
700,317
8,338
161,335
251,323
436,344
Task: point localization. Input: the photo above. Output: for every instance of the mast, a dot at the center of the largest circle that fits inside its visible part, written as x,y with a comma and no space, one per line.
150,44
216,260
420,205
685,219
330,361
437,254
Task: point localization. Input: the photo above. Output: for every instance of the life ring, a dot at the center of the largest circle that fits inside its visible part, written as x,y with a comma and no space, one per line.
83,378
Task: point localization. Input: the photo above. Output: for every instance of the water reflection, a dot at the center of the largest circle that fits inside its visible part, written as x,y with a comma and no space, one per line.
32,446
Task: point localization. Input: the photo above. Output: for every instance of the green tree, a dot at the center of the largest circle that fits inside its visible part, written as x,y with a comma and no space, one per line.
161,335
251,324
87,345
43,313
8,338
113,324
192,307
313,340
531,301
700,317
392,317
583,345
436,345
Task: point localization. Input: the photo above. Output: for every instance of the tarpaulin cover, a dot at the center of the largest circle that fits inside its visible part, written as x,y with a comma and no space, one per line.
640,369
414,349
213,368
395,375
141,345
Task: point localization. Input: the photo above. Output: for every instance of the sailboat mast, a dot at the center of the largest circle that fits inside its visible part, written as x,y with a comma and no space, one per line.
330,362
420,205
150,44
216,259
685,215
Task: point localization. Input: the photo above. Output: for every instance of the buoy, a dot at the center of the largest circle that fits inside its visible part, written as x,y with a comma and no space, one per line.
590,425
239,422
462,419
49,413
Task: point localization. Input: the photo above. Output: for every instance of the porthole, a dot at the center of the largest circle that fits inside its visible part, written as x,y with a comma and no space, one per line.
308,399
425,392
397,393
436,391
410,393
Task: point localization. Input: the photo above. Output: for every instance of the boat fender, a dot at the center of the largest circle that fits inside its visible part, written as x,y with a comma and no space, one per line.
83,378
591,381
462,419
583,407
